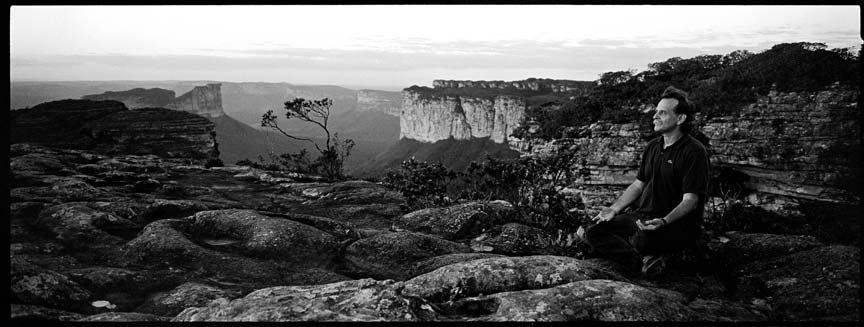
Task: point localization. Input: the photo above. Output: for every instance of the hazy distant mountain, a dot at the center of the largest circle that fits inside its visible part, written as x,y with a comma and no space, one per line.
239,134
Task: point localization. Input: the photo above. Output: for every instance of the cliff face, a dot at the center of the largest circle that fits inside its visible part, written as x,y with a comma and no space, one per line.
430,119
790,146
202,100
800,145
137,97
381,101
532,84
109,127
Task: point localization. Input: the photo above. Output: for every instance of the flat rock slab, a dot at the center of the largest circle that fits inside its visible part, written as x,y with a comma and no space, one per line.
265,237
516,239
393,255
818,284
124,317
459,221
503,274
589,300
355,300
184,296
29,312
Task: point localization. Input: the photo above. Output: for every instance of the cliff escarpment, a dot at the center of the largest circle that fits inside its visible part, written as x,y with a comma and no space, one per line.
531,84
137,97
202,100
787,146
109,127
460,118
478,109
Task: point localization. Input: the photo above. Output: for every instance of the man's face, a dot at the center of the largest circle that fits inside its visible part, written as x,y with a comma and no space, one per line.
665,119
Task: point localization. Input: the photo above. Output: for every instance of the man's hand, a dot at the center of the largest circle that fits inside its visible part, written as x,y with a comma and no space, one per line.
650,224
606,213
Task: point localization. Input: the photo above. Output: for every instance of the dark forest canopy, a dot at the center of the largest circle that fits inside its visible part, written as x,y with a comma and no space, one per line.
718,84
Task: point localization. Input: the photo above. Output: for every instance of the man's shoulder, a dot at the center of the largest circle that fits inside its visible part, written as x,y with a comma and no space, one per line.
695,145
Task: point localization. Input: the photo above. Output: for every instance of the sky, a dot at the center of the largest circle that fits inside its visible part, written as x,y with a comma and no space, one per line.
396,46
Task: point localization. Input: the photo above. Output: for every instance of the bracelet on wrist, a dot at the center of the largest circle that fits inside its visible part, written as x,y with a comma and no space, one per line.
664,220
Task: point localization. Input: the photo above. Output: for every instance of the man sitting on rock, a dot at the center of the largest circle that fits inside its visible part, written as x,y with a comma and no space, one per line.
668,195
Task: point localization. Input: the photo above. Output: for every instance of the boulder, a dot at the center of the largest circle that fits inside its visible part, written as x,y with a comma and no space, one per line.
184,296
164,244
502,274
339,229
48,287
459,221
104,279
124,317
516,239
392,255
354,300
427,265
821,283
29,312
79,226
265,237
168,209
587,300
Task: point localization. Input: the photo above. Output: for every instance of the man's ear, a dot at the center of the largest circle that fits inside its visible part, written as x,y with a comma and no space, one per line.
681,119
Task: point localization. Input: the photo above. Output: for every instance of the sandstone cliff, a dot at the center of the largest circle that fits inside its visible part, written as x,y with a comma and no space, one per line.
109,127
137,97
532,84
462,118
202,100
791,146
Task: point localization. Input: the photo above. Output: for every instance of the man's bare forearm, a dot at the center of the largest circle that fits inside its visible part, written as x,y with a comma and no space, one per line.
630,194
688,202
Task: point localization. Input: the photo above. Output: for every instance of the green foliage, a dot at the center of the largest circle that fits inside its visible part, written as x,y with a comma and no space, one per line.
331,159
718,85
531,184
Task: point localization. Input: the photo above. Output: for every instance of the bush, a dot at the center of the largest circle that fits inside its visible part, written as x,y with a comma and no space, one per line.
531,184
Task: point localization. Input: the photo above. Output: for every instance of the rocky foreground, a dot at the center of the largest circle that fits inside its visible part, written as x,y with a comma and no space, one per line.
142,238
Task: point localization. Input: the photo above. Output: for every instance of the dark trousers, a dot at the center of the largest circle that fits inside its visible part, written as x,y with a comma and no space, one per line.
621,240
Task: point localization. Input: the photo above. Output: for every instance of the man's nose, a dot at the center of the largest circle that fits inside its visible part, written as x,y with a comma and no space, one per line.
655,115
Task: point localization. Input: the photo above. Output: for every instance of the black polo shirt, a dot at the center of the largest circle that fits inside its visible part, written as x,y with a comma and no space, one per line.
669,173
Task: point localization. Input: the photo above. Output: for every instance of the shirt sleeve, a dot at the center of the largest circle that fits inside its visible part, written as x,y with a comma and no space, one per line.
696,173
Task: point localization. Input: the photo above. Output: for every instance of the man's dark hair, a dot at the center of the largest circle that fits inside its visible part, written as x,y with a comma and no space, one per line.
683,107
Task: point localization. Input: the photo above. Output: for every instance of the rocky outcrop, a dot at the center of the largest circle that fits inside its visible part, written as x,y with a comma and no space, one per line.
137,98
108,127
531,84
381,101
589,300
502,274
459,221
459,117
233,231
802,145
355,300
789,146
201,100
795,276
392,255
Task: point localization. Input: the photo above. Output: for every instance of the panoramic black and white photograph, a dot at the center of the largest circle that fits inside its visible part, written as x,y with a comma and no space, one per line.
420,162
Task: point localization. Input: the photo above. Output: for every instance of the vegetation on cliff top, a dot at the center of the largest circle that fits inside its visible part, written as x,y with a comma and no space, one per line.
718,85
